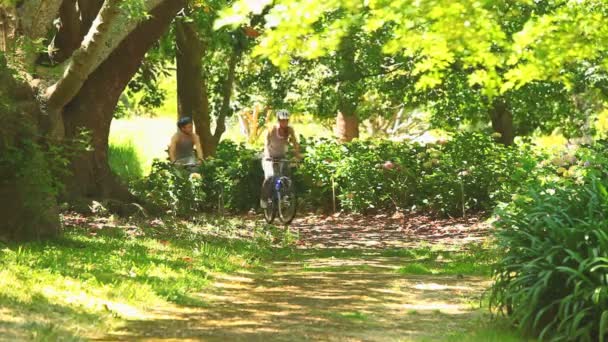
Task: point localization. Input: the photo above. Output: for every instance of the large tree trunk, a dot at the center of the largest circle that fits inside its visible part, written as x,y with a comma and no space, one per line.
347,126
192,96
5,28
502,121
68,38
28,209
76,18
192,93
93,107
347,121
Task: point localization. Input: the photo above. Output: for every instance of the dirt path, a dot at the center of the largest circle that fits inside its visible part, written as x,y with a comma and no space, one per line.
341,287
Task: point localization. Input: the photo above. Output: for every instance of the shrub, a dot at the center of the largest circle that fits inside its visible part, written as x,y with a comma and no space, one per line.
316,174
552,275
470,172
231,180
172,189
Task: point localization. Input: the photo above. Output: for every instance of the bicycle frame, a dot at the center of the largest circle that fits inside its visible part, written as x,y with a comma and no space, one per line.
278,181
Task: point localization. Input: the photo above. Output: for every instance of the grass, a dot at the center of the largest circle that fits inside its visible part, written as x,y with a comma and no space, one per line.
135,142
83,285
487,331
353,316
125,161
475,260
144,138
91,282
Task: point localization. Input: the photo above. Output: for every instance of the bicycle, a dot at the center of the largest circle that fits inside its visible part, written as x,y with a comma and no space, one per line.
283,200
189,167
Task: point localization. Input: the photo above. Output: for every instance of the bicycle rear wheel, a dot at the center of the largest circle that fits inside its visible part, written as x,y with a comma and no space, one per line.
286,201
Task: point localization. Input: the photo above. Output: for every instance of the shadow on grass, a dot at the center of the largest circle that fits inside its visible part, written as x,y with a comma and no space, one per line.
361,297
472,261
29,320
172,274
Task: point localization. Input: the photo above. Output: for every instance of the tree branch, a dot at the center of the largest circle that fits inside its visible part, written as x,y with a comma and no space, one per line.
7,24
69,36
228,85
36,17
387,71
110,27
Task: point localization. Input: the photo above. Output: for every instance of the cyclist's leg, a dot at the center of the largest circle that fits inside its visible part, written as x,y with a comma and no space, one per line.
267,184
266,192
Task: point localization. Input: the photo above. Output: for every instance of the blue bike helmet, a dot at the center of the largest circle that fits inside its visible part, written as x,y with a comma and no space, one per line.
183,121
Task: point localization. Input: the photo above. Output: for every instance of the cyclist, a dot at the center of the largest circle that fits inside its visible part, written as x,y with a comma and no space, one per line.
183,143
278,138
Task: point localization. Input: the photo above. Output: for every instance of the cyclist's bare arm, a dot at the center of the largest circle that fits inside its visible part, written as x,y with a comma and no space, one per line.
293,140
267,138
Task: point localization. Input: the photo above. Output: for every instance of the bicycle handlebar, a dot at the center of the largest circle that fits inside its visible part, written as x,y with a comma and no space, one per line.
277,160
185,165
286,161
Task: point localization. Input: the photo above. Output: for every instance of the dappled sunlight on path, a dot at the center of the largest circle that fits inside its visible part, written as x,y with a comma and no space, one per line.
337,288
381,231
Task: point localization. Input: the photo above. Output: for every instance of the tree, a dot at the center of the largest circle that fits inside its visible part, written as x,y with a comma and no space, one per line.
99,57
342,85
207,70
492,43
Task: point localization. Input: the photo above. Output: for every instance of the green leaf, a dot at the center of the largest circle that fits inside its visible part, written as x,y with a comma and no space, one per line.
603,326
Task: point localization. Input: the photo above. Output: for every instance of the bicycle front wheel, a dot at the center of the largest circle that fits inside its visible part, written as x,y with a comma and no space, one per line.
286,201
270,212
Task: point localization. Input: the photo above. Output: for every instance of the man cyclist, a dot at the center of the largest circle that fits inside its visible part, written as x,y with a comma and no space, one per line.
278,138
183,142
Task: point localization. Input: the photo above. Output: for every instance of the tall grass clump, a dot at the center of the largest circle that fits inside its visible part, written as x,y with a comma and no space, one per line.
125,161
552,278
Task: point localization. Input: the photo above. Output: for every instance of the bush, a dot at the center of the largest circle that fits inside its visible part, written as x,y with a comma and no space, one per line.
470,172
552,276
172,189
232,180
316,174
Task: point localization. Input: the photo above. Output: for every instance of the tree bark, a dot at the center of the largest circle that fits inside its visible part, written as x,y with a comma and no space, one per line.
93,107
192,96
6,26
76,19
37,16
192,92
28,208
83,61
108,30
227,88
502,121
88,12
347,126
347,121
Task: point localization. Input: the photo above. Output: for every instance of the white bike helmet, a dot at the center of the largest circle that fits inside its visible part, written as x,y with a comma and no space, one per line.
282,114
